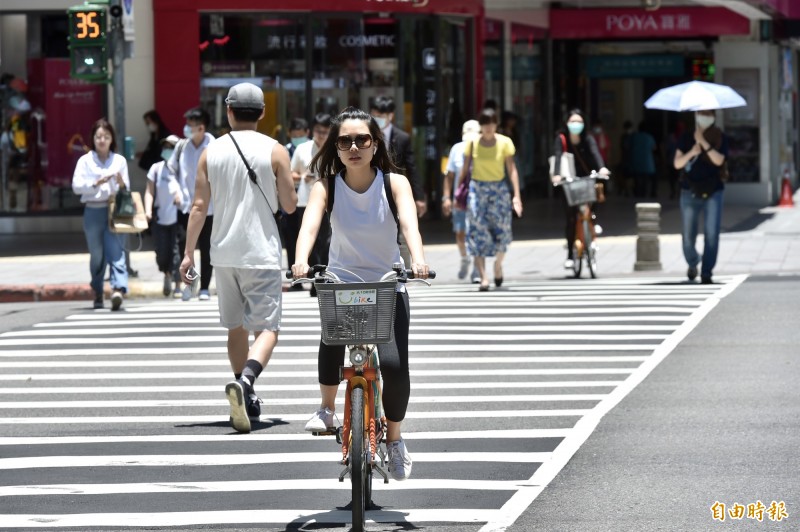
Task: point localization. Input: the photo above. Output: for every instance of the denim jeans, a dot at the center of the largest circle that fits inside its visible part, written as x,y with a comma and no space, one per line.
105,247
711,208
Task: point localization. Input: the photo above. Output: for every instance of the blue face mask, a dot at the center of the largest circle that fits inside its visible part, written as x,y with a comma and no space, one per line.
166,153
187,131
576,128
382,122
296,141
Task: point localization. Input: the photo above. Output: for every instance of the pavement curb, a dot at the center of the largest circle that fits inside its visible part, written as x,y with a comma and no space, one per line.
45,292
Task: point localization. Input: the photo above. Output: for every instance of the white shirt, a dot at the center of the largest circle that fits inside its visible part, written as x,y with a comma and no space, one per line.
89,169
455,162
301,160
187,171
165,185
245,233
363,232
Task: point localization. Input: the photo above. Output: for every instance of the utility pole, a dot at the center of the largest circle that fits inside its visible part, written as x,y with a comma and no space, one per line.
118,74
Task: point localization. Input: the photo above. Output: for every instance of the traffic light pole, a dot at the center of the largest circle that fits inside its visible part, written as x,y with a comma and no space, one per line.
118,74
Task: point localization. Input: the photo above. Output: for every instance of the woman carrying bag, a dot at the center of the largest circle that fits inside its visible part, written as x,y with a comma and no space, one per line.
489,204
98,176
574,139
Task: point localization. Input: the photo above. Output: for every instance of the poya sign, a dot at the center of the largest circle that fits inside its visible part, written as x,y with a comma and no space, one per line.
673,23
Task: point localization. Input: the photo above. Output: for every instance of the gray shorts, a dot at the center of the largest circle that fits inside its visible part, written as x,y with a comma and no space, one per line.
249,297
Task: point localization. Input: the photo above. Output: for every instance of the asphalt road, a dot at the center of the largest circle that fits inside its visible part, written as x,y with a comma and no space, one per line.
716,420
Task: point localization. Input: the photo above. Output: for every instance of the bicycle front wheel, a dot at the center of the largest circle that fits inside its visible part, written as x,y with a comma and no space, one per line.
358,465
590,251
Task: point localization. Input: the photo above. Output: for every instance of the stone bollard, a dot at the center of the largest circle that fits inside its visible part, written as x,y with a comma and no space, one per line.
648,225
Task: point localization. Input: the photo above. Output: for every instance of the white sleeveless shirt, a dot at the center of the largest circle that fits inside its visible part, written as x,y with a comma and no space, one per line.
245,234
363,232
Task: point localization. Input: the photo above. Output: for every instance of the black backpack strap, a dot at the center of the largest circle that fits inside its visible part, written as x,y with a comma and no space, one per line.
387,187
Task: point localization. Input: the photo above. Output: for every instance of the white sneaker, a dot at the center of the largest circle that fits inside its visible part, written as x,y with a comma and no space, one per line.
187,293
321,421
569,264
462,270
177,294
598,229
116,300
399,460
204,295
475,277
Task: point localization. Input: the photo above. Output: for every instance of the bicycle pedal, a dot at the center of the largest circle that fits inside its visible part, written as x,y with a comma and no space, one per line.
329,432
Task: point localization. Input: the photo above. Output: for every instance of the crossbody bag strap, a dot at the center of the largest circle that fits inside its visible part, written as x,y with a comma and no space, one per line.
251,173
577,154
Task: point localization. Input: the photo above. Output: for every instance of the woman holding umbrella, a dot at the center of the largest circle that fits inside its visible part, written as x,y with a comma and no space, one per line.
701,157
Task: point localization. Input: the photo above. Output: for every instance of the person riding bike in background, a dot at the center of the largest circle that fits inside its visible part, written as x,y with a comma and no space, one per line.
364,245
587,158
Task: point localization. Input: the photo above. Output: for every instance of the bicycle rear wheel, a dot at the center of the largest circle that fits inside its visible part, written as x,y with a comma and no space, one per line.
358,464
590,251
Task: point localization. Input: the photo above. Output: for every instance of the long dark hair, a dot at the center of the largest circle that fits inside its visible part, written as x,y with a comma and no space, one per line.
326,163
155,118
104,124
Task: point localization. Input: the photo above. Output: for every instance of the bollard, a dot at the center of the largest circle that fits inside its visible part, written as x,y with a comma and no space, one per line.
648,225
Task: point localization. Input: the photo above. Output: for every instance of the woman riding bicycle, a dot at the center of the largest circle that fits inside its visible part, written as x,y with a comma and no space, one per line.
364,242
573,138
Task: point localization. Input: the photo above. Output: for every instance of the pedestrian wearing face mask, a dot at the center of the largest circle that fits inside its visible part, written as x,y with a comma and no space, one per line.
587,158
183,163
298,134
701,156
157,131
163,199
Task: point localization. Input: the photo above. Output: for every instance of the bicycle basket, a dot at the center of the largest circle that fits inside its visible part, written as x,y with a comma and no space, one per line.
580,191
357,313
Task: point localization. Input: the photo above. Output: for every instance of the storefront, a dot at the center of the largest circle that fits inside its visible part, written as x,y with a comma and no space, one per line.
622,56
420,52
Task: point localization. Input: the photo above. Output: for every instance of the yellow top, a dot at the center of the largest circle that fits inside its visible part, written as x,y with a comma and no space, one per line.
489,163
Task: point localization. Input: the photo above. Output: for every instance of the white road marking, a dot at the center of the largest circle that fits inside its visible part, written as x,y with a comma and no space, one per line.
198,460
95,420
111,390
226,375
313,362
194,403
160,520
259,437
254,485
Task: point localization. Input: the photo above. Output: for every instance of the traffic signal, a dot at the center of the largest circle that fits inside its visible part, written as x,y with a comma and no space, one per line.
88,42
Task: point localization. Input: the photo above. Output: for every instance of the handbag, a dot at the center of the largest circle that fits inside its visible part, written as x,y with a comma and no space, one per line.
462,192
567,167
123,204
118,219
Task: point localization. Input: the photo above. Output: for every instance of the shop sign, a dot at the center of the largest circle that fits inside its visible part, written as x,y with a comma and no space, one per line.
678,22
412,3
635,66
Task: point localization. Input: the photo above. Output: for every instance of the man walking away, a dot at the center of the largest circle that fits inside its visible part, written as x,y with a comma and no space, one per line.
247,176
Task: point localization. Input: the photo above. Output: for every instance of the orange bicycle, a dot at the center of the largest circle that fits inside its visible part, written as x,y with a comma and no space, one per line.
359,316
581,192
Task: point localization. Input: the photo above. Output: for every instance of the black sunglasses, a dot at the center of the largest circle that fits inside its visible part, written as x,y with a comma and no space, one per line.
345,142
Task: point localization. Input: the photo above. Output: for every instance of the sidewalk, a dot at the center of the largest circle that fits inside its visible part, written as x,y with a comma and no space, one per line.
38,267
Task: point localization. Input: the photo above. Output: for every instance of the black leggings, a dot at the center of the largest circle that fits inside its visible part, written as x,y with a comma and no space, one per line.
394,364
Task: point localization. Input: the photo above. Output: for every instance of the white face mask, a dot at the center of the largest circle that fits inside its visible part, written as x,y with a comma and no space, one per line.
187,131
703,121
576,128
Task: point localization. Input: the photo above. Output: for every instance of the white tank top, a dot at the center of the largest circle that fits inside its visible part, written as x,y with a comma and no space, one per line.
363,232
245,234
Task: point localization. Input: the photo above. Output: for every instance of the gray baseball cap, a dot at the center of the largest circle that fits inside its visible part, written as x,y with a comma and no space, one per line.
245,96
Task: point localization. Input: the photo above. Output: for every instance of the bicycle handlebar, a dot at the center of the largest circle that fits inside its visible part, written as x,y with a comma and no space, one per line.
403,274
593,175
